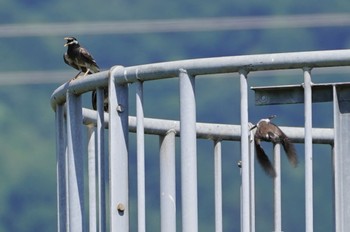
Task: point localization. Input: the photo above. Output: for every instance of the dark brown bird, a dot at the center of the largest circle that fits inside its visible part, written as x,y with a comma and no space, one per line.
269,132
79,58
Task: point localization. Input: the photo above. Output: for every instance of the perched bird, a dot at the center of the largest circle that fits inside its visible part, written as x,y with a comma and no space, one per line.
269,132
79,58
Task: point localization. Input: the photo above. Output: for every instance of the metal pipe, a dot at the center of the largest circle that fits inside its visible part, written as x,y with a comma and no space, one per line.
218,186
141,201
246,223
167,182
252,180
341,158
188,152
92,179
308,151
337,167
101,161
118,155
75,163
194,67
215,131
277,188
61,168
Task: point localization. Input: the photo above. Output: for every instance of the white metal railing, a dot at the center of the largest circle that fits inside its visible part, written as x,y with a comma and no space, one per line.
70,117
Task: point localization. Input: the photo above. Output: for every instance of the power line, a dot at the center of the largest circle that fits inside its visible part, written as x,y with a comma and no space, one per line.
35,77
154,26
175,25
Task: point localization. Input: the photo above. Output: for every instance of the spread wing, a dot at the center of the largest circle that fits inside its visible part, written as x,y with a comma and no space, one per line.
290,150
280,137
264,160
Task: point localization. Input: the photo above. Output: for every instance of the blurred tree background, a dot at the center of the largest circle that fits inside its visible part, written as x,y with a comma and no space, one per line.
32,68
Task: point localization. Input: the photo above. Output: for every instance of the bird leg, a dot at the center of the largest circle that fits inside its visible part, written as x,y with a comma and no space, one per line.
76,76
86,73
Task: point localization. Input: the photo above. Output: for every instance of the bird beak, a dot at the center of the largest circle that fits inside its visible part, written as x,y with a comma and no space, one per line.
253,127
272,116
66,44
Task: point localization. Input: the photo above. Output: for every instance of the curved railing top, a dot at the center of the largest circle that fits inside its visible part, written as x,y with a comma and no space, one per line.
203,66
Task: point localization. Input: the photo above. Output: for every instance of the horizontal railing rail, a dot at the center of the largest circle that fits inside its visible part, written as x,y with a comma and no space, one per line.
204,66
213,131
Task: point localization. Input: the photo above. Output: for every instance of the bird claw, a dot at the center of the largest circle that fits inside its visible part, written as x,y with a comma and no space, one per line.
86,73
76,77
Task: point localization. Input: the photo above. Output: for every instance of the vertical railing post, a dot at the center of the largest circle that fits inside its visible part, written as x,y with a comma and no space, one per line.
167,182
308,150
141,201
101,162
277,188
341,158
92,179
245,196
252,181
118,154
75,163
188,152
218,186
62,178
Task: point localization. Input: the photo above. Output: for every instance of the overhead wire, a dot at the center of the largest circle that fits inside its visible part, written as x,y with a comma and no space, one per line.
153,26
174,25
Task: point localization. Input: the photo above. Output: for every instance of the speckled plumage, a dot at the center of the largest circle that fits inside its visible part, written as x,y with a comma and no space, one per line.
79,58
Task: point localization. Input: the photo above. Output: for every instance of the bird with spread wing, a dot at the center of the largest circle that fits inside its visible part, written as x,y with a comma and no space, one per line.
269,132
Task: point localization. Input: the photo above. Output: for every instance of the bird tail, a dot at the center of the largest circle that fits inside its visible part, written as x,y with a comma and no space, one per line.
264,161
94,100
290,150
